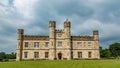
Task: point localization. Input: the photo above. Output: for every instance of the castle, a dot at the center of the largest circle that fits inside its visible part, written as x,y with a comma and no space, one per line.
59,45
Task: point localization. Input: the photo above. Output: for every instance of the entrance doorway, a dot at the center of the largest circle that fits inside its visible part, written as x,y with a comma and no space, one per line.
59,56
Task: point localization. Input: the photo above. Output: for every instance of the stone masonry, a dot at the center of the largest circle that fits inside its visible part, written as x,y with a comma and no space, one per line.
59,45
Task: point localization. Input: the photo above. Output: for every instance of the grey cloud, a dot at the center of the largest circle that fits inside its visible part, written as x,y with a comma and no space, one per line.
84,16
108,11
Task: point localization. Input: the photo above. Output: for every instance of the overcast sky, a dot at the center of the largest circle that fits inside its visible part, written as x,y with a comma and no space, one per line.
34,16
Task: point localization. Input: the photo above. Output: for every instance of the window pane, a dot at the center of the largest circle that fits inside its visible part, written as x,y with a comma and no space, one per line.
72,55
79,54
36,44
89,54
46,54
46,44
89,44
79,44
25,54
26,44
59,43
36,54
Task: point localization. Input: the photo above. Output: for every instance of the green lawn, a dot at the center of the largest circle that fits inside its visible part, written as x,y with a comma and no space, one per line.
62,64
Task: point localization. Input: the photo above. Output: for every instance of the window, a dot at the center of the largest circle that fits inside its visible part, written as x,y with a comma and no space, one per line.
26,44
79,44
84,44
89,54
59,43
89,44
71,55
79,54
36,54
46,54
46,44
25,54
36,44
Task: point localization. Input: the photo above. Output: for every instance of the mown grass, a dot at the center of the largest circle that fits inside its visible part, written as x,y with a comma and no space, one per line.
62,64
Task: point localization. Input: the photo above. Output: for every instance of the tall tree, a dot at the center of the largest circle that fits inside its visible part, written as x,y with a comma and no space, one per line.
11,56
2,56
115,49
105,53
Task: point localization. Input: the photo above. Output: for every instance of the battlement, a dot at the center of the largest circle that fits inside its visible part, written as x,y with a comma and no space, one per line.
95,32
52,24
82,38
59,30
35,37
67,23
20,31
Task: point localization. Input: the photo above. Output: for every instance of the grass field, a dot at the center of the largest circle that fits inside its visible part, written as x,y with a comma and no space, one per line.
62,64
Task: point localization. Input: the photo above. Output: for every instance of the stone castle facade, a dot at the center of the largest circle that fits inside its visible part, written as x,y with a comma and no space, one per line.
59,45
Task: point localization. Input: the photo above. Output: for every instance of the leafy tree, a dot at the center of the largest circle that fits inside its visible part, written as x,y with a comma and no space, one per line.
11,56
2,56
105,53
115,49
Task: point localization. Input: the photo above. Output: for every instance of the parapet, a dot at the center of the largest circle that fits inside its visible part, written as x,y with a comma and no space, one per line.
59,31
35,37
52,23
20,31
67,23
95,32
82,38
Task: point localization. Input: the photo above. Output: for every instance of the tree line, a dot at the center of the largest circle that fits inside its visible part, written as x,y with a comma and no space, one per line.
5,57
112,52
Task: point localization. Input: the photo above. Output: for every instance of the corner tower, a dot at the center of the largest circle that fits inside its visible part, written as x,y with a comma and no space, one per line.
96,42
96,35
52,27
19,44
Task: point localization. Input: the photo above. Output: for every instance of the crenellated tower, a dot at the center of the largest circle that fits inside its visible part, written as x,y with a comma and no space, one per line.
19,44
96,42
96,35
67,31
67,26
52,42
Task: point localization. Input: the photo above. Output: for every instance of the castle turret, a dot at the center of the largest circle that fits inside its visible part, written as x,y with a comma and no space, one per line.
96,43
96,35
20,44
67,31
67,26
52,44
52,26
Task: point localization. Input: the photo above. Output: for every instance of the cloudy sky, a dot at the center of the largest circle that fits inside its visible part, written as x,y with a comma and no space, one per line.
33,16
